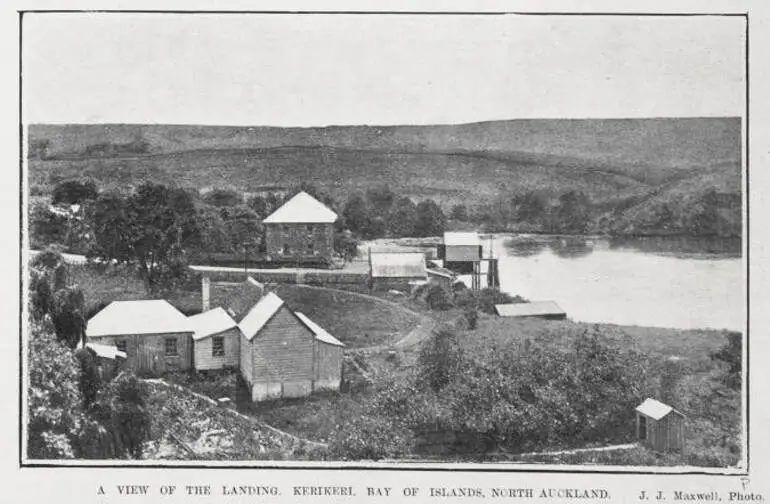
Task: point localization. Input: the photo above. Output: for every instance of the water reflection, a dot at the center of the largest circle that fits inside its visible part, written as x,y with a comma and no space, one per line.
687,247
684,247
525,246
571,247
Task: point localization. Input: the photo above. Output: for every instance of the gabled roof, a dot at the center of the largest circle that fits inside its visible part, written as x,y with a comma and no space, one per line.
211,322
531,309
260,314
398,265
454,238
655,409
318,331
106,351
302,208
155,316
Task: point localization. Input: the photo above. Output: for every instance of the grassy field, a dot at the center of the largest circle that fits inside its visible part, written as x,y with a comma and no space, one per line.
355,320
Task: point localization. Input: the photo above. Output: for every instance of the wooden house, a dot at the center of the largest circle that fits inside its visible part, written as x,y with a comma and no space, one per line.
155,336
281,355
540,309
396,270
216,340
300,231
660,426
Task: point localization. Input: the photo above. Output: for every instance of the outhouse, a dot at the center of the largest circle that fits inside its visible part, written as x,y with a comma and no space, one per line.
660,426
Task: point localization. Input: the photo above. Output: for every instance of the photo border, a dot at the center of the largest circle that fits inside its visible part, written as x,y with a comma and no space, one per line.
484,467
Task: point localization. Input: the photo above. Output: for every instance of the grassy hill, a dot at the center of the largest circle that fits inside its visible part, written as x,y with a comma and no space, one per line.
639,168
340,171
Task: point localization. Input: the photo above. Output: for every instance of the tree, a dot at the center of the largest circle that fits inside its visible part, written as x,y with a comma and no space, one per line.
380,198
223,198
149,228
54,403
732,355
68,315
74,192
346,245
430,220
572,213
356,214
89,382
530,208
402,220
259,205
121,409
459,213
440,359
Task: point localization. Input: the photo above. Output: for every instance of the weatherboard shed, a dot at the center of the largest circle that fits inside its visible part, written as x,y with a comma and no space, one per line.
285,354
660,426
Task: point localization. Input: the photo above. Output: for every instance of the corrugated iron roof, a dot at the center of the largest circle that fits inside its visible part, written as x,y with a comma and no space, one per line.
318,331
106,351
302,209
259,314
454,238
211,322
531,309
398,265
442,272
654,409
154,316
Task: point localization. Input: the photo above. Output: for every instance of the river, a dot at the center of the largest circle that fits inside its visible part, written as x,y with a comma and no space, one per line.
682,283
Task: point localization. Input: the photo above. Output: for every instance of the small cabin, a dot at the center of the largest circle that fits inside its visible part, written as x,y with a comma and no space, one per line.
660,426
155,336
300,231
540,309
396,270
216,340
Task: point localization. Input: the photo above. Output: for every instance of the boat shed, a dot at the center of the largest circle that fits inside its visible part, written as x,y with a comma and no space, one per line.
396,270
459,247
216,340
541,309
155,336
660,426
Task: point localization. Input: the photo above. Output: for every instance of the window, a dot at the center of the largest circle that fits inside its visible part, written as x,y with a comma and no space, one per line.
286,249
218,346
309,229
122,345
171,346
310,248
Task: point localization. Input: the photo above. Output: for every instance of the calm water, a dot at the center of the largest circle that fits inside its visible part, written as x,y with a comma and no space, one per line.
663,282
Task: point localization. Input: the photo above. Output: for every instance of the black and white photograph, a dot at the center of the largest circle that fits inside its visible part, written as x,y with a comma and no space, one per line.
337,239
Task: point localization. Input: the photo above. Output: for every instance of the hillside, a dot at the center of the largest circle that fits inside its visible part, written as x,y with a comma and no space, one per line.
646,149
339,171
707,202
646,176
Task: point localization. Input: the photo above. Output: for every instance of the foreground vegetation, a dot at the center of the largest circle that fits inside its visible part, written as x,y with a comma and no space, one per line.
509,388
